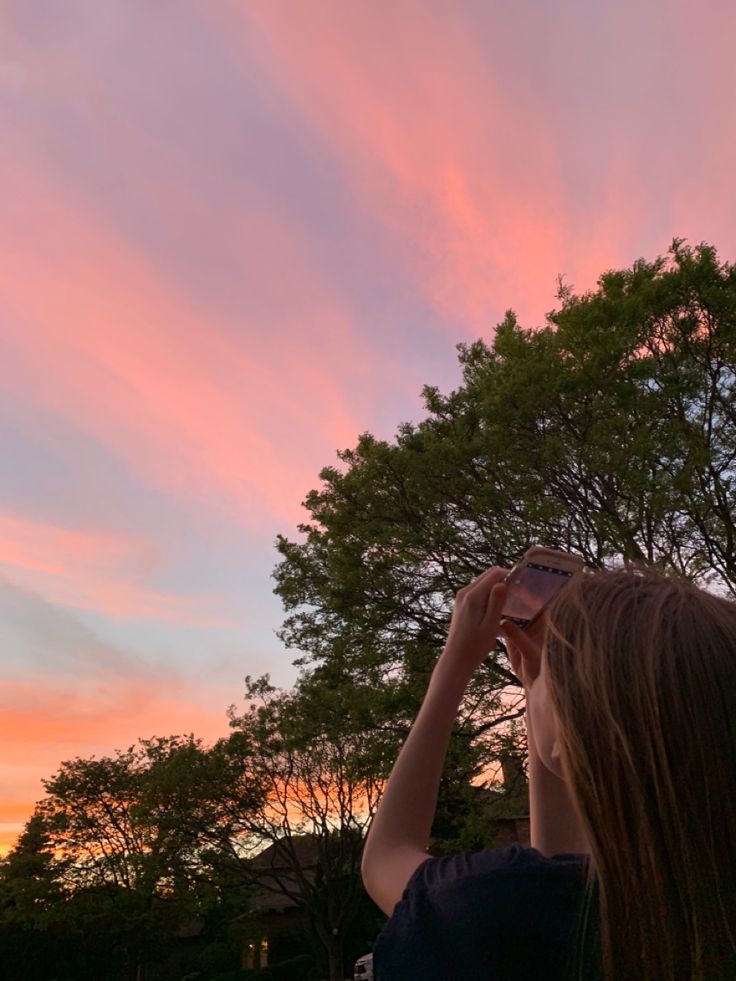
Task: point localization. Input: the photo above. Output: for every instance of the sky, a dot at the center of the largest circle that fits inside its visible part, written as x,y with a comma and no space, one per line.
236,234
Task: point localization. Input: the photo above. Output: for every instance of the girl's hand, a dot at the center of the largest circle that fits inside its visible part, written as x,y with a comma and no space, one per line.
476,621
525,650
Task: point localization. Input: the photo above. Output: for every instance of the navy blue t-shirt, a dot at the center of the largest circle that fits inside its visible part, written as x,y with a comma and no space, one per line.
504,914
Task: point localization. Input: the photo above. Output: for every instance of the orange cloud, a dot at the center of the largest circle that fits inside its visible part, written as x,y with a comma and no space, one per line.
93,714
8,836
42,725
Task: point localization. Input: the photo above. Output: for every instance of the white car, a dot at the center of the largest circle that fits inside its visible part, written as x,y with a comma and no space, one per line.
364,968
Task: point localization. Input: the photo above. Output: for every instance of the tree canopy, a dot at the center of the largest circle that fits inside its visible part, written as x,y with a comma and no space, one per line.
610,431
118,856
320,795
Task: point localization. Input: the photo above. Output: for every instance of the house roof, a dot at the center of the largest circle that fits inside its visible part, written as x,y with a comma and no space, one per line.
278,859
278,855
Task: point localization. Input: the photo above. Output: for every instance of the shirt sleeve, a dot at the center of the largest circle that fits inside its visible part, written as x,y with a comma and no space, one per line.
501,913
411,944
408,946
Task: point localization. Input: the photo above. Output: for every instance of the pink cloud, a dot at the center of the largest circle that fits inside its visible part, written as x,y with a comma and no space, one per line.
456,146
94,570
193,404
462,169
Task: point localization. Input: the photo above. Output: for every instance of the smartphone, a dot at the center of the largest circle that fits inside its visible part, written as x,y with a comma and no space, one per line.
534,580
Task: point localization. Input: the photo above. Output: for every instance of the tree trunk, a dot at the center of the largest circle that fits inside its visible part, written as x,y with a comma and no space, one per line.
334,959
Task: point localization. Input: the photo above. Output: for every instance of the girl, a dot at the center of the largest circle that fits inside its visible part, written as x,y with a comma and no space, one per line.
630,680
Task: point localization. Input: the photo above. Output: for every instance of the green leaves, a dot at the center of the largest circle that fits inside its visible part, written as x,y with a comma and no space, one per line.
610,431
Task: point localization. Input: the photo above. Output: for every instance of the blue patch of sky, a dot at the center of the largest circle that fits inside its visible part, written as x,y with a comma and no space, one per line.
220,657
52,472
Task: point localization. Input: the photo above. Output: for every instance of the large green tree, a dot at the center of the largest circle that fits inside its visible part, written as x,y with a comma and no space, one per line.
610,431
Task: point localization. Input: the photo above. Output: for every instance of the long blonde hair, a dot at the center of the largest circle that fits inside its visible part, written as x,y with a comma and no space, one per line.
642,675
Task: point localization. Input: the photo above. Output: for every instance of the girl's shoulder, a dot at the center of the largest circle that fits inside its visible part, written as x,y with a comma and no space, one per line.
490,907
490,862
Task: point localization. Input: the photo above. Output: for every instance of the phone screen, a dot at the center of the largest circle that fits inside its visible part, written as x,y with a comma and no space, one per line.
531,589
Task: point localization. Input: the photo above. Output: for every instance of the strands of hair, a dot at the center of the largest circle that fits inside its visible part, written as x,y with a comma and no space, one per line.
642,671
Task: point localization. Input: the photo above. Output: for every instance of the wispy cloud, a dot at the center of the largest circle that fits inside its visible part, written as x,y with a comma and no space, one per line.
66,692
501,146
94,570
93,715
193,405
43,636
463,173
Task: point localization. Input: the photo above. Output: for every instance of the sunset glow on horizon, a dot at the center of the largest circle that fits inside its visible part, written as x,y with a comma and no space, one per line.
237,235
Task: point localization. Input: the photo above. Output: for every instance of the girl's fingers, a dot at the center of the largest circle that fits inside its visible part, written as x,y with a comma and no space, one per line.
514,658
528,652
493,575
515,634
496,599
479,595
